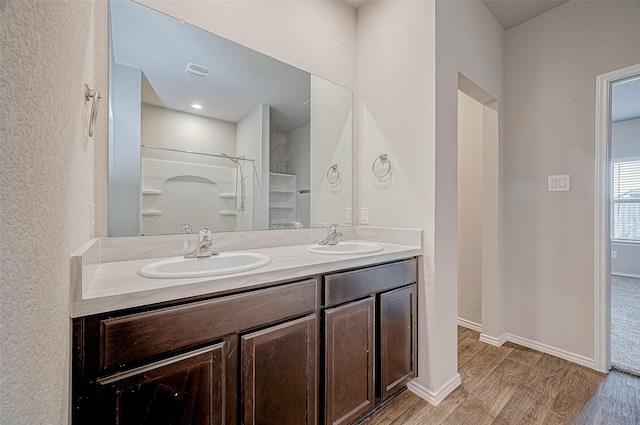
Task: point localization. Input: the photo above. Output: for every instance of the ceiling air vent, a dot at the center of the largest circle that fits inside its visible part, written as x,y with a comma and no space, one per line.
198,70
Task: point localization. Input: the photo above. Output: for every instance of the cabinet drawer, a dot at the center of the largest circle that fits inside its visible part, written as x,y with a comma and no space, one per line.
128,339
341,287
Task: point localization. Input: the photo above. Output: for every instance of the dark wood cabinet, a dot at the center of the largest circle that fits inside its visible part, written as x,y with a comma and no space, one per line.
254,357
349,361
183,390
182,364
398,335
279,374
370,337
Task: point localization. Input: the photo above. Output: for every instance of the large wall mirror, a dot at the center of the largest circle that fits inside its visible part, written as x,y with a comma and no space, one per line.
204,132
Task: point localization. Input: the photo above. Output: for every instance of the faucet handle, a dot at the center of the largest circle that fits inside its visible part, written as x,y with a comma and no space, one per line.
186,228
204,234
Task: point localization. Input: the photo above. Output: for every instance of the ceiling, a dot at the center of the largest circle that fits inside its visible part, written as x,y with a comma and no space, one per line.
239,81
511,13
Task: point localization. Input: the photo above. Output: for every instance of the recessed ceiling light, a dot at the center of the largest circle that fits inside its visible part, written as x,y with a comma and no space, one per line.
196,106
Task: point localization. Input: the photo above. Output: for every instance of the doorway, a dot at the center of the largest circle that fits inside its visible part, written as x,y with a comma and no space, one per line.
478,189
625,225
612,208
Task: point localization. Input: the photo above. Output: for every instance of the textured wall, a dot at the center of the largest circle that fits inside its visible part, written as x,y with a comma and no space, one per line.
551,65
469,208
395,106
46,186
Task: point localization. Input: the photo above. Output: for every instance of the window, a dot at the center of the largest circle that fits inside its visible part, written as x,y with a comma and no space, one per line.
625,215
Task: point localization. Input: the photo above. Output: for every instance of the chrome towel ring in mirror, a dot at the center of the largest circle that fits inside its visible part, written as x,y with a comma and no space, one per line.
88,93
381,166
333,174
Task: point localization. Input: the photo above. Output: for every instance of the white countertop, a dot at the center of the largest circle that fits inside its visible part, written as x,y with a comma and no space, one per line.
116,285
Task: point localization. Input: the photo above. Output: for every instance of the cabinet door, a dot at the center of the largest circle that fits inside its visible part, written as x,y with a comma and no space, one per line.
397,339
349,360
279,374
182,390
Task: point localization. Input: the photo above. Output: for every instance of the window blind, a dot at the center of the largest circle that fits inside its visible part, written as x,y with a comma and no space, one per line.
626,201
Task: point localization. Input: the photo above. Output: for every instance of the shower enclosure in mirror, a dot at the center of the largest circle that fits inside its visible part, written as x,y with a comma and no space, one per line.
204,132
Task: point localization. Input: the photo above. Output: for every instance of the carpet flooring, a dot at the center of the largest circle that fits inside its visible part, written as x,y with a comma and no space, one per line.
625,324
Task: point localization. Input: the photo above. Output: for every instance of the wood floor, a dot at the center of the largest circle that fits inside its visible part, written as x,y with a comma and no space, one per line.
516,385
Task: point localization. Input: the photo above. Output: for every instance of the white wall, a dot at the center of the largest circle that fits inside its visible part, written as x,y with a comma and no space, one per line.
469,41
49,50
395,115
627,262
551,65
316,36
470,129
168,128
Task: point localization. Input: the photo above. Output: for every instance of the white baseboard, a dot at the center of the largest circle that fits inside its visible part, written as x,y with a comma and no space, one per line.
435,397
469,324
548,349
538,346
637,276
492,340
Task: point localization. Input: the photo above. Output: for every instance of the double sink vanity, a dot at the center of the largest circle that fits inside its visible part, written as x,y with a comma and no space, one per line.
317,334
273,328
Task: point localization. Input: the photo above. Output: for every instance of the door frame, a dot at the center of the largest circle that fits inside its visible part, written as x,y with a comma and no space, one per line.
602,262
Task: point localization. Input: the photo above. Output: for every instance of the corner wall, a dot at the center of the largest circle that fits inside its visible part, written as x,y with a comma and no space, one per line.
49,50
551,65
395,109
469,48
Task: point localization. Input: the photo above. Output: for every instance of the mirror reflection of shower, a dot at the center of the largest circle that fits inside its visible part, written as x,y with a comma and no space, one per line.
239,204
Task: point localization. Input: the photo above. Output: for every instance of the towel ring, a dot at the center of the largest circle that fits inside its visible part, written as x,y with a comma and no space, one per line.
88,94
333,174
381,161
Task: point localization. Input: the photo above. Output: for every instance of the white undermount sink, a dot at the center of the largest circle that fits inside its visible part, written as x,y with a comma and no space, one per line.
224,263
346,248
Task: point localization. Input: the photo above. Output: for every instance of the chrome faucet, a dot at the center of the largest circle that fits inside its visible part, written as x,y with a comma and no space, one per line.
203,249
185,228
332,236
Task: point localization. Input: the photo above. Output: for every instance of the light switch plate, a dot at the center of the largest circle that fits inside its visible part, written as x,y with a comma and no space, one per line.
559,183
614,254
364,215
348,219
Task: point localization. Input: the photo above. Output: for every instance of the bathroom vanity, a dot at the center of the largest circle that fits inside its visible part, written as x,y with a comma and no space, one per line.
323,348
